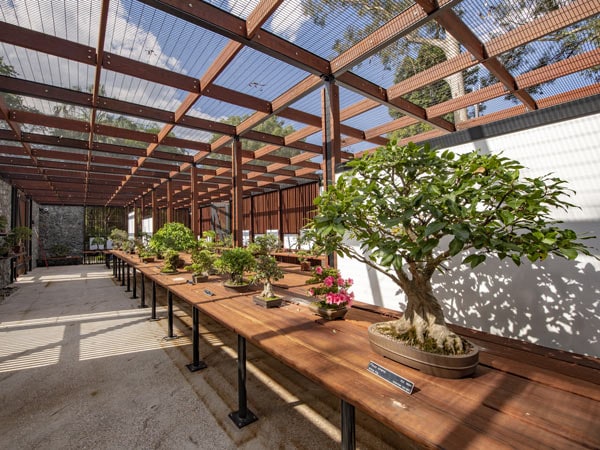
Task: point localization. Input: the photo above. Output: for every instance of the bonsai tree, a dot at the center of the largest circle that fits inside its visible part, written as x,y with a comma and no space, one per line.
171,261
17,236
235,261
118,236
173,235
267,271
203,262
412,209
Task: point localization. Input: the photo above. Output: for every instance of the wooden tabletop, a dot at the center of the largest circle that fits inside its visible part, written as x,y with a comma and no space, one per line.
521,396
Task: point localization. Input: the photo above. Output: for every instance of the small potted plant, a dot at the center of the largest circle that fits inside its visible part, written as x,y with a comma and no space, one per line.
118,237
203,261
17,237
173,235
335,299
235,262
99,242
267,271
146,254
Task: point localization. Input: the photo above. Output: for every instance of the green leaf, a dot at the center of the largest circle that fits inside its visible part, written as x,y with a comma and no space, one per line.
456,245
434,227
474,260
570,253
461,231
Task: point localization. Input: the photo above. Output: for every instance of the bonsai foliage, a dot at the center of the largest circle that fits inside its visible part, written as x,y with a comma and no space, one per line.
333,290
171,261
267,271
173,235
118,236
18,235
235,261
202,261
412,209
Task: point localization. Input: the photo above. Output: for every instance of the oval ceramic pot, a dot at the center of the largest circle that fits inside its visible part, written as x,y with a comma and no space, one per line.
270,303
444,366
328,313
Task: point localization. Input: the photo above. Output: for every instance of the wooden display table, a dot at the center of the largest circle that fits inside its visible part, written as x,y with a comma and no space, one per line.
521,396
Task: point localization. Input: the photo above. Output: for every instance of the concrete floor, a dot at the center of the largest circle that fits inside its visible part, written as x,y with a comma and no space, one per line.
81,366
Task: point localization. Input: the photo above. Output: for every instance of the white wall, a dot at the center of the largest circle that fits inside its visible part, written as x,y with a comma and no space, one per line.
555,303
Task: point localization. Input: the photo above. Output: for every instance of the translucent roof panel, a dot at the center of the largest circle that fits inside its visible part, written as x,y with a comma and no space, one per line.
239,8
143,92
370,119
151,36
329,28
216,110
75,20
47,69
310,103
259,75
192,134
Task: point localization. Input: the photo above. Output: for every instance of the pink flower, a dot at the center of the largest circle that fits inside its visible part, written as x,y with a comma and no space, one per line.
311,292
319,270
328,281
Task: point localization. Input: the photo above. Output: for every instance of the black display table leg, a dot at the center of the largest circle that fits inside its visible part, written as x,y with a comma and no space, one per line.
143,294
114,265
348,426
118,268
153,317
198,364
122,273
128,278
243,416
134,295
171,335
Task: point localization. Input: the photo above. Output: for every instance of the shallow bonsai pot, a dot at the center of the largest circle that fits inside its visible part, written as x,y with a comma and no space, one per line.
444,366
148,259
199,278
328,313
273,302
237,287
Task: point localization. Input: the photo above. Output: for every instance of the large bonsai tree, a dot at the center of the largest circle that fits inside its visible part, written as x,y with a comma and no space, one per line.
412,209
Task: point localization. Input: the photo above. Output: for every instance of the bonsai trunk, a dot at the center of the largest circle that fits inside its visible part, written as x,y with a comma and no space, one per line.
267,290
424,315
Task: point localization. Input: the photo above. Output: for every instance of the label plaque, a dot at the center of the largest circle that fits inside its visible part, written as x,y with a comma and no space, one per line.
391,377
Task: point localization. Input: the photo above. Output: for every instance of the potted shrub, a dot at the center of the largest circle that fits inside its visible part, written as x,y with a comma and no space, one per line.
267,271
333,292
235,262
173,235
203,261
118,237
146,254
412,209
17,236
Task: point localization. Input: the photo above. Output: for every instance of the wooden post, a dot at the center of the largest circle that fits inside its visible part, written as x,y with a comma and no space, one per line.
331,138
170,211
236,191
154,212
142,212
195,211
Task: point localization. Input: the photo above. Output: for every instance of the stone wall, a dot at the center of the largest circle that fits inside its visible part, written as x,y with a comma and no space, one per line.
5,197
61,225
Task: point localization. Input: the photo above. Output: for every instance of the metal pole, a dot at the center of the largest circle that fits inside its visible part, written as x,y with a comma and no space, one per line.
243,416
197,364
348,426
122,273
143,294
134,283
153,301
128,279
171,335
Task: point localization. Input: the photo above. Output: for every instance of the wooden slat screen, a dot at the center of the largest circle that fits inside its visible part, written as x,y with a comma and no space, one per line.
297,206
205,222
247,215
265,212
